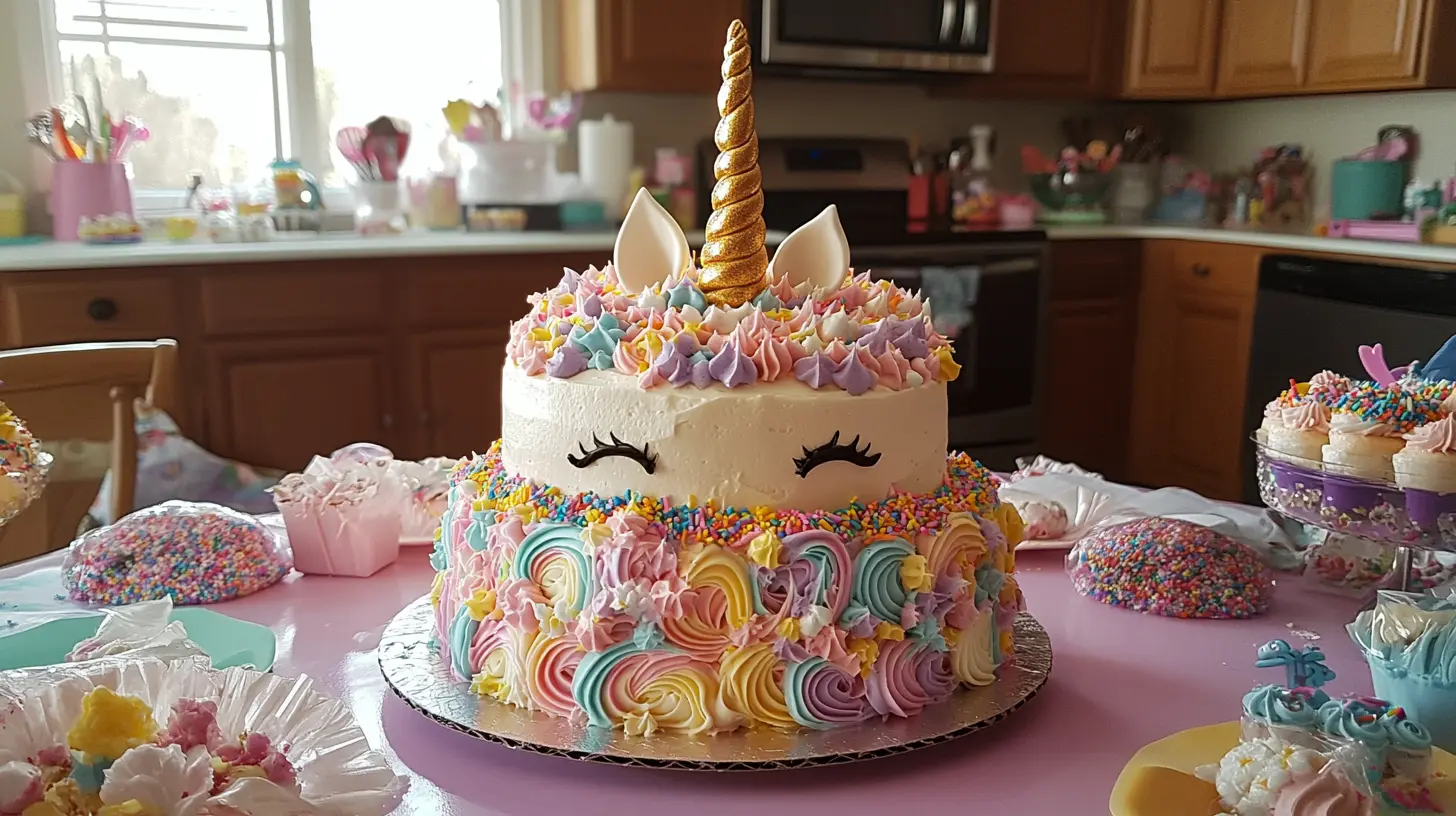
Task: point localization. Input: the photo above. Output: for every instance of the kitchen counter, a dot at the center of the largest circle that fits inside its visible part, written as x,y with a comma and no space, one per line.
1381,250
308,246
43,256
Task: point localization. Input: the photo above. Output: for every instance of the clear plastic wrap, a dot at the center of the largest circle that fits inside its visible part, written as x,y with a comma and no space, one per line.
1409,640
139,630
1263,774
1170,567
193,553
337,773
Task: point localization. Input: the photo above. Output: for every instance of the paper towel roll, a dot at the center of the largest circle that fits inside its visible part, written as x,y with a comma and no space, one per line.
604,158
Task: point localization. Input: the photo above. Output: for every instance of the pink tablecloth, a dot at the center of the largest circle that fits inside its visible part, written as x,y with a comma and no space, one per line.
1119,681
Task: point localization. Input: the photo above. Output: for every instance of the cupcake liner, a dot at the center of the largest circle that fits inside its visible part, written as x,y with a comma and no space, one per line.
338,772
1360,507
1298,490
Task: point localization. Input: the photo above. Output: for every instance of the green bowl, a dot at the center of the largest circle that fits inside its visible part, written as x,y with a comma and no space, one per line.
1071,191
228,641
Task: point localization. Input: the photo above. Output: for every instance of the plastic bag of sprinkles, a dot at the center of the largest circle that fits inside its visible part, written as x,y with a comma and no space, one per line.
191,552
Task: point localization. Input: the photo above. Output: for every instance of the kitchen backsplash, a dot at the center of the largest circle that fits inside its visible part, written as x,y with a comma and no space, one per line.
830,108
1225,135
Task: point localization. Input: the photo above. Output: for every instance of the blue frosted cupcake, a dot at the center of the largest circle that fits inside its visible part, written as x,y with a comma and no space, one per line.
1410,643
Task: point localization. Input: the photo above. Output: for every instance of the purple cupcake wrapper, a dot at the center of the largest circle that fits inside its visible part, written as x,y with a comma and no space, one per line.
1425,508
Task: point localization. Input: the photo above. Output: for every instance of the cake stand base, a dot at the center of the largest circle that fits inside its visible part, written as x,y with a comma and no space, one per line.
415,672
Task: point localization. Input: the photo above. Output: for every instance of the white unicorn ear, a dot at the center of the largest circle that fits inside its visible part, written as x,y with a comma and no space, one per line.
650,246
816,253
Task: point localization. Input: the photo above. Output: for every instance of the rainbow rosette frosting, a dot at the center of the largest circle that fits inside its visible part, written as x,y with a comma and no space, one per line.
635,613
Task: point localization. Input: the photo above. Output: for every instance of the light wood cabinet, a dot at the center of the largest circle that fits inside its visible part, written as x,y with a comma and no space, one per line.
1173,49
645,45
1368,44
1091,337
452,386
1265,46
276,403
1196,320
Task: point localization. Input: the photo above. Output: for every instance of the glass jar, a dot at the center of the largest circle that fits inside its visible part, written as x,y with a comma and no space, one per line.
380,210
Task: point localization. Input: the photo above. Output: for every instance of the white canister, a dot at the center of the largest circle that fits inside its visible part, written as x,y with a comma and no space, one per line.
604,159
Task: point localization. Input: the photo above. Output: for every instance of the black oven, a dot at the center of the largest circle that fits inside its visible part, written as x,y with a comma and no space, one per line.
941,36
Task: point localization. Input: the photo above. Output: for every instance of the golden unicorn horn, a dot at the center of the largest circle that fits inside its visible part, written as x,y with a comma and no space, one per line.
734,261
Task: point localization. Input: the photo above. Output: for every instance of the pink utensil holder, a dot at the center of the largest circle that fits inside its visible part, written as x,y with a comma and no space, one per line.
82,189
353,541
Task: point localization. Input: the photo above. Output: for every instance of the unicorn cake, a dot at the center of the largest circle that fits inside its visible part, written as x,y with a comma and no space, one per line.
722,497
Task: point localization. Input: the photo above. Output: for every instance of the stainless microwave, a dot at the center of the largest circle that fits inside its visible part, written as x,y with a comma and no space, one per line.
941,36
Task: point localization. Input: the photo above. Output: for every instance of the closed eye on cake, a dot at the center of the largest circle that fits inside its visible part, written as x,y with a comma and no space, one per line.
616,447
834,451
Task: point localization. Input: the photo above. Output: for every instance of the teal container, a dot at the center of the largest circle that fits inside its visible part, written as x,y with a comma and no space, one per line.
1363,190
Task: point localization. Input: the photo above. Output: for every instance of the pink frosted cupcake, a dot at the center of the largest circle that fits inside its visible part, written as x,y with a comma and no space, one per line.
1426,470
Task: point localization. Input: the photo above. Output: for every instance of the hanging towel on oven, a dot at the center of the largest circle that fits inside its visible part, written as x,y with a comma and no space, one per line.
951,292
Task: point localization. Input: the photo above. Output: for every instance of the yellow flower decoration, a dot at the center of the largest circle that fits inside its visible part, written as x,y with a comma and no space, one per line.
539,334
436,589
131,807
949,368
1011,525
914,574
889,631
765,549
952,636
1005,643
526,512
789,629
867,651
481,604
650,343
111,724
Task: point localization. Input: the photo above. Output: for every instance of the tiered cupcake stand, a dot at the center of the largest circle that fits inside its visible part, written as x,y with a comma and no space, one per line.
1415,522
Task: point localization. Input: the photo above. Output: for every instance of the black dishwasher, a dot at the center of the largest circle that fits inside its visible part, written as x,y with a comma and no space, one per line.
1314,314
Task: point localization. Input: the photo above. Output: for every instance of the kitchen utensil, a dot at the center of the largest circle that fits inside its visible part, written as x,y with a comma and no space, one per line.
350,142
557,113
386,144
38,132
59,136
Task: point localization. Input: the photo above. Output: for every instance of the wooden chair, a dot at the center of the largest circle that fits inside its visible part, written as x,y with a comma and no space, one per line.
81,395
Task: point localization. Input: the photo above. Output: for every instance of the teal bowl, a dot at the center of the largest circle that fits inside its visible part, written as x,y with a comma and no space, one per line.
1071,191
227,641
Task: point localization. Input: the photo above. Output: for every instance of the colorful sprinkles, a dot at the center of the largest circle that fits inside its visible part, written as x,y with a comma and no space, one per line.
1172,568
1403,407
967,487
196,553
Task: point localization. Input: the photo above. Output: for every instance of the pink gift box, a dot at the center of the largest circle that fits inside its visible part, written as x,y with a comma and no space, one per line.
355,540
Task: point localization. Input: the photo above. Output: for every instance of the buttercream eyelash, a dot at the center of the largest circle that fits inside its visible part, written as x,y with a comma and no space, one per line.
641,456
832,451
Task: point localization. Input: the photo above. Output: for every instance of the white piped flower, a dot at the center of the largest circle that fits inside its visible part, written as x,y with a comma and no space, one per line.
630,600
594,536
724,321
651,301
166,780
815,620
553,620
913,379
838,325
813,344
879,305
639,724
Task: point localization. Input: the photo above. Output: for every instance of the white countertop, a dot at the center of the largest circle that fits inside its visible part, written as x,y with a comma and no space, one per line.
157,253
1379,250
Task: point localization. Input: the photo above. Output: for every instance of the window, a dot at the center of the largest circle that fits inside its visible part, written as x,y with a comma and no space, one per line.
227,86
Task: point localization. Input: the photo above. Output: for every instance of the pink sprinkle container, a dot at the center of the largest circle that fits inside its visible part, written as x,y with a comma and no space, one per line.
87,190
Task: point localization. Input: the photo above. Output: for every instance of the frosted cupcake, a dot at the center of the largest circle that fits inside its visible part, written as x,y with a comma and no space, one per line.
1367,428
1409,641
1426,470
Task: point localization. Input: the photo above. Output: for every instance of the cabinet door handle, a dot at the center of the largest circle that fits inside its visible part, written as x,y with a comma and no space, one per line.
1200,271
387,421
947,19
970,22
101,309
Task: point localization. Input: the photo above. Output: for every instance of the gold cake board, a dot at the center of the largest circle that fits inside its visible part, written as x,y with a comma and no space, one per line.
415,672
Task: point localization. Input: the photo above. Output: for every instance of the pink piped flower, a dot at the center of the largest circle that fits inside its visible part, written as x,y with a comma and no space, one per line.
627,358
746,339
505,536
533,362
773,359
714,342
829,643
837,351
893,368
650,378
192,724
667,596
517,601
927,367
853,297
258,750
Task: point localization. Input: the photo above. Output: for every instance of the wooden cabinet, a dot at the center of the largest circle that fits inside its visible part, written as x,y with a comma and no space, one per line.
65,308
276,403
1363,44
1196,319
1264,47
452,389
1091,337
1173,48
1051,49
645,45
